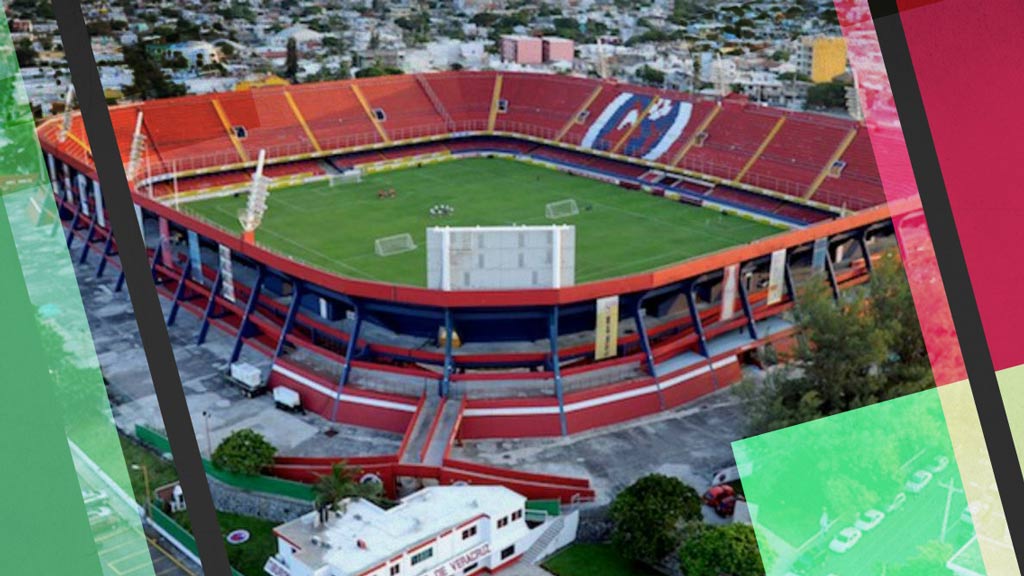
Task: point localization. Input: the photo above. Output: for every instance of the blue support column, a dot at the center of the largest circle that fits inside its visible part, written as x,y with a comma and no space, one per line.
830,270
446,377
346,371
120,282
74,224
698,325
556,368
289,320
179,292
645,343
748,310
106,254
204,324
790,287
157,255
863,241
254,296
88,241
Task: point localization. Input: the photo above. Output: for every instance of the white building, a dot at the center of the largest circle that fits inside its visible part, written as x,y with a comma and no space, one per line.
438,531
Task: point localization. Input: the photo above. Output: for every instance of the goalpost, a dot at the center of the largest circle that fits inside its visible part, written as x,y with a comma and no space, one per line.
353,176
391,245
561,209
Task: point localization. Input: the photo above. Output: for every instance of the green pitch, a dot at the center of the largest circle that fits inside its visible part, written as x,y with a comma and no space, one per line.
618,231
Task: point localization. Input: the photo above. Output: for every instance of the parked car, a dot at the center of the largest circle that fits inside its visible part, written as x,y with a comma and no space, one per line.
99,515
869,520
93,496
918,481
846,539
897,502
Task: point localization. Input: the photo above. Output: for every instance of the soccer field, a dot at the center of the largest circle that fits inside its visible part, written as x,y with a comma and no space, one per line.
618,231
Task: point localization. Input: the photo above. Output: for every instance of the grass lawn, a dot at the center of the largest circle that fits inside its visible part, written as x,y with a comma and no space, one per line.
160,471
249,557
618,231
594,560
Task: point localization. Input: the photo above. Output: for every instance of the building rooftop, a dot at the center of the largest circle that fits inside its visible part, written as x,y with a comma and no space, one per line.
385,533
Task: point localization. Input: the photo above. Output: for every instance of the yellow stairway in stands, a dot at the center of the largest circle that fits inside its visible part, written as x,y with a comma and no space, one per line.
494,102
230,131
302,121
568,125
369,112
693,137
840,150
760,149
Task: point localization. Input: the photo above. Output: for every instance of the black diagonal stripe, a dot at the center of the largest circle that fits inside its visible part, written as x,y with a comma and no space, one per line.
952,267
145,301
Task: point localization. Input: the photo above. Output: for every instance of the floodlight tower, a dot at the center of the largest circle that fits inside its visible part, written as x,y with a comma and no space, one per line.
252,215
65,128
138,146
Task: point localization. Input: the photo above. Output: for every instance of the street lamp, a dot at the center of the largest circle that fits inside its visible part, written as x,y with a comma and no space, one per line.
145,479
209,444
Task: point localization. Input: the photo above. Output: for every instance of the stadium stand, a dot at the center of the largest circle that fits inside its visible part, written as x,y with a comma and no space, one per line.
859,184
732,137
267,120
795,156
186,130
541,105
724,140
465,95
335,115
408,109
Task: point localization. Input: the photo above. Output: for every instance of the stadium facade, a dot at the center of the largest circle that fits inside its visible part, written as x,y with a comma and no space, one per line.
506,363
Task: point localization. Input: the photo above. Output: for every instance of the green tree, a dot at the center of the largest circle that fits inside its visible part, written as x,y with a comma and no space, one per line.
148,80
25,53
245,451
341,483
651,75
291,60
863,349
827,95
648,515
729,550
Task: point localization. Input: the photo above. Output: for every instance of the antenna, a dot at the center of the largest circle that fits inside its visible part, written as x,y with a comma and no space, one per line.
252,216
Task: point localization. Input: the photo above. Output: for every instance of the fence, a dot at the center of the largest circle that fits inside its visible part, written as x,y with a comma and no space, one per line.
177,532
265,484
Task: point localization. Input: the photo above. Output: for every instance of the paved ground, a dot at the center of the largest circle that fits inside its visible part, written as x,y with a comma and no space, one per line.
691,443
202,370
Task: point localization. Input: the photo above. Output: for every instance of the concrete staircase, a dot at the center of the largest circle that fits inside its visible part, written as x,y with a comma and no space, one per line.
539,550
421,430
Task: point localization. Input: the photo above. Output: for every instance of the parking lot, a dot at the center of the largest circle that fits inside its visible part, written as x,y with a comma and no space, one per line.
124,545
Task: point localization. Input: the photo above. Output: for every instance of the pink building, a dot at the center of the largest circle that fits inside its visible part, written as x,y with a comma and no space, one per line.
558,49
522,49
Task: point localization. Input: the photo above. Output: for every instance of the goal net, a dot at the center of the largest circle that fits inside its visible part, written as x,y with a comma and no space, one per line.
353,176
391,245
561,209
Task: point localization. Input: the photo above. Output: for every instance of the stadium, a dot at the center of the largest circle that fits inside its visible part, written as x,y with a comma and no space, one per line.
299,220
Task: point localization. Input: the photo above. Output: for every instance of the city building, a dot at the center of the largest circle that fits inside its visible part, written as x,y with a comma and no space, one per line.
522,49
440,531
557,49
821,58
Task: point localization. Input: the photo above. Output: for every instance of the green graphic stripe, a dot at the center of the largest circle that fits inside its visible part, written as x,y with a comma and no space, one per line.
883,477
65,489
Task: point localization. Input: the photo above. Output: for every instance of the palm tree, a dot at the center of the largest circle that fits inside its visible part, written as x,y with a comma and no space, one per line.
341,483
